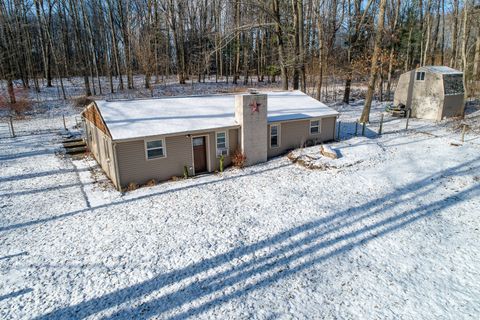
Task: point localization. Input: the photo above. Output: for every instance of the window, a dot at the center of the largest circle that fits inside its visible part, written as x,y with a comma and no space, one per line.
222,148
274,142
155,149
420,76
315,127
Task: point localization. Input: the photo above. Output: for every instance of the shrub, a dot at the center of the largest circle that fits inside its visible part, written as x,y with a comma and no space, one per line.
222,160
185,172
238,159
22,103
132,186
150,183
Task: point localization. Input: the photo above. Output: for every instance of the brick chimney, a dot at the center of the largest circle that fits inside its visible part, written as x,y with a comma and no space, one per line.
251,115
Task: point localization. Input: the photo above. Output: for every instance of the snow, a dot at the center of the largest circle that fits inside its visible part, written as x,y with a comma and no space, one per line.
439,69
128,119
388,230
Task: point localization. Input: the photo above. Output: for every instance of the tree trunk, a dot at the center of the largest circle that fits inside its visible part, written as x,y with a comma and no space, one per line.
392,50
301,40
453,60
476,63
124,16
435,38
296,45
281,49
408,60
321,56
237,41
442,41
115,45
464,49
374,68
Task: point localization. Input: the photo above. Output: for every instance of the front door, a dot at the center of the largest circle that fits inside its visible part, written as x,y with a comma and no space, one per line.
199,155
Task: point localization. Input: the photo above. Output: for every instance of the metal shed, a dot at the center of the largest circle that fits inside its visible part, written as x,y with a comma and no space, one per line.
432,92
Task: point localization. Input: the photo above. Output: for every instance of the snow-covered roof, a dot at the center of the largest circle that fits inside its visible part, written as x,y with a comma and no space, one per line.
439,69
129,119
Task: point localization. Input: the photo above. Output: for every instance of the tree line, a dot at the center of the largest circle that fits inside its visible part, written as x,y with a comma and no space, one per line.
300,43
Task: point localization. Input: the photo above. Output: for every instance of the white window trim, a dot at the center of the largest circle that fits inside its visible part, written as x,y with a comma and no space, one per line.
226,143
164,147
319,127
417,72
279,141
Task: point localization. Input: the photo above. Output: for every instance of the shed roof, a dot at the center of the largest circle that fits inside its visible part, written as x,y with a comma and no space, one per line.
439,69
130,119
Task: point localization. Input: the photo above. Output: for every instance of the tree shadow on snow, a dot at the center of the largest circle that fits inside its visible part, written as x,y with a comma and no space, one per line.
252,267
15,294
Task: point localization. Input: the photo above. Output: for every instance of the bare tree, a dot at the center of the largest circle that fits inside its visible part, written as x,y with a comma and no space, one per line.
374,64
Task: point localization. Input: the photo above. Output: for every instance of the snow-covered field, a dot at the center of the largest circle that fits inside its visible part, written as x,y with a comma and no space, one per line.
392,231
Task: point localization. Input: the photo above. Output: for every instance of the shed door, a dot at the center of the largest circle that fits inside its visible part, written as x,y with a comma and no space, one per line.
199,155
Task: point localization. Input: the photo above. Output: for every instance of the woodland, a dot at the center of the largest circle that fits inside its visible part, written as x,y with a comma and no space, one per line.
296,44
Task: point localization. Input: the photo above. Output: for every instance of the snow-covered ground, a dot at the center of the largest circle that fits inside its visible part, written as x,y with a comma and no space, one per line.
390,231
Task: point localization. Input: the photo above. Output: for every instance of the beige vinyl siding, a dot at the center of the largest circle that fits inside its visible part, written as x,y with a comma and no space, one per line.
327,132
100,145
294,134
133,165
232,146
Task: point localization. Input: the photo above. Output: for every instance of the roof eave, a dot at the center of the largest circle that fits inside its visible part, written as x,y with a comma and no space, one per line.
173,134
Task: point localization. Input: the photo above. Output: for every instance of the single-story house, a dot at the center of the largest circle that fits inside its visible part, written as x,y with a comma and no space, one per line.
138,140
431,92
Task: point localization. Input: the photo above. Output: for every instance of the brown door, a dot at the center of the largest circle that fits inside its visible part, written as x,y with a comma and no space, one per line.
199,155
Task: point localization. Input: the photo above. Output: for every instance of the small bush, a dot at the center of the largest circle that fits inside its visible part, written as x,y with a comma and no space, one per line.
222,160
185,172
22,104
238,159
132,186
150,183
175,178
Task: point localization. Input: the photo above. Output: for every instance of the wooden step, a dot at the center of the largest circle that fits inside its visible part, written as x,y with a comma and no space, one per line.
80,143
76,150
72,140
